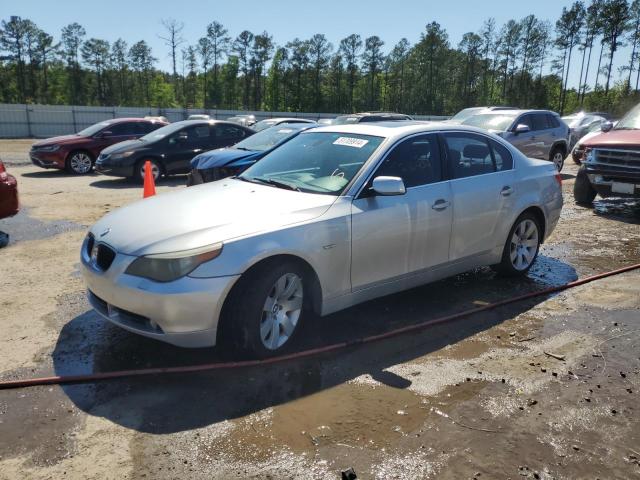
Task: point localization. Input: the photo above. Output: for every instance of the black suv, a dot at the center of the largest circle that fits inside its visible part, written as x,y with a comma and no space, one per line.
169,149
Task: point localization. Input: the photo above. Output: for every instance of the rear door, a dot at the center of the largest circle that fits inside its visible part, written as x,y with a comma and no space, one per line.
545,134
482,186
393,236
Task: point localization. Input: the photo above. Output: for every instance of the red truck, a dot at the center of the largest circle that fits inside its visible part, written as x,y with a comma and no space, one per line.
611,162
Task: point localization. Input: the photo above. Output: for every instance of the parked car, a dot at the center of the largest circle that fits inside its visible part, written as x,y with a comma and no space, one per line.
325,121
611,162
169,149
77,153
577,152
244,120
462,115
9,205
581,124
369,117
536,133
336,216
226,162
270,122
157,118
199,116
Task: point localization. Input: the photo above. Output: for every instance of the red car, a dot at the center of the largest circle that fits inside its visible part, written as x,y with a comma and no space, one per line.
611,162
77,153
8,193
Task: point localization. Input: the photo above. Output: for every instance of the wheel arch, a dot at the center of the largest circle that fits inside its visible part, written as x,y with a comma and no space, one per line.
78,150
540,216
560,144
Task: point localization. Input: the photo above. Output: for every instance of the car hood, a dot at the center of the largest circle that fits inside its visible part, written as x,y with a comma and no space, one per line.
60,140
614,138
221,157
205,214
124,146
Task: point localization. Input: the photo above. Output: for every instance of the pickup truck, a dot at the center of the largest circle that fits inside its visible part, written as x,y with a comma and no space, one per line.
611,162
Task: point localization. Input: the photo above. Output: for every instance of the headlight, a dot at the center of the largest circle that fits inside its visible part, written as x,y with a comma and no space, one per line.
118,156
166,267
48,148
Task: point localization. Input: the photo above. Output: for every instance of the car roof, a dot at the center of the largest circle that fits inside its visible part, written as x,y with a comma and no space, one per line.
132,119
394,129
206,122
516,111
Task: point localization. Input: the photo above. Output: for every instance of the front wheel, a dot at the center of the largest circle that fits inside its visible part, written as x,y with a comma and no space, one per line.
583,191
522,246
80,163
265,310
138,171
557,157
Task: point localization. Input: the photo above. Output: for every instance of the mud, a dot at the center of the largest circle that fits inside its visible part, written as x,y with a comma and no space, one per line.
477,398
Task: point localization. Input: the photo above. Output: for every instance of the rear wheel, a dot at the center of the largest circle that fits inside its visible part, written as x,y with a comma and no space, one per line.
583,191
265,310
79,163
138,172
557,157
522,246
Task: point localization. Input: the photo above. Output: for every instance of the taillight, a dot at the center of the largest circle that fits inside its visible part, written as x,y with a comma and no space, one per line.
3,172
559,179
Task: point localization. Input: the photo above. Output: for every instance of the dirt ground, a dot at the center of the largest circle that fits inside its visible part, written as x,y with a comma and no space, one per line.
476,398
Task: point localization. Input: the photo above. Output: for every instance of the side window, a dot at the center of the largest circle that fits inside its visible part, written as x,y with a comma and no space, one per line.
147,127
468,155
525,120
415,160
229,131
553,121
502,156
540,121
122,129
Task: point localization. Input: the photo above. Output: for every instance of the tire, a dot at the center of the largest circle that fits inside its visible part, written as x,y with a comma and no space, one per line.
522,246
583,191
557,156
259,301
79,163
138,171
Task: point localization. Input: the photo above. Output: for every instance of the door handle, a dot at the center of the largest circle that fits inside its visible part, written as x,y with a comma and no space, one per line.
440,204
197,150
506,191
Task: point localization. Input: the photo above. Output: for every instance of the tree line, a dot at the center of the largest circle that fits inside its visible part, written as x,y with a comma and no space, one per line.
524,62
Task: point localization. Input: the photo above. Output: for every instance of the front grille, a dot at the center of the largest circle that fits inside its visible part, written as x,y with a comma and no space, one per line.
617,158
104,256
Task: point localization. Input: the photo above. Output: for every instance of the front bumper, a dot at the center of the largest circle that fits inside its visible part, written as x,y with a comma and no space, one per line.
184,312
111,168
603,178
47,159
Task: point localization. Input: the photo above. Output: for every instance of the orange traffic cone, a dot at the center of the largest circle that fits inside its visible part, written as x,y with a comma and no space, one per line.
149,184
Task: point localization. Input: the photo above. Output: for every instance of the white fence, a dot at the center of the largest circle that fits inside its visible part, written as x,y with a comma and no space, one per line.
42,121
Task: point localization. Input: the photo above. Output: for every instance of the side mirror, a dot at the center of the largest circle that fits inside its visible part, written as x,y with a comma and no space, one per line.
521,128
606,126
388,186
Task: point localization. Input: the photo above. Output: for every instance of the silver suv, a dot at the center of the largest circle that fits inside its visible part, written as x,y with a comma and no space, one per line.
536,133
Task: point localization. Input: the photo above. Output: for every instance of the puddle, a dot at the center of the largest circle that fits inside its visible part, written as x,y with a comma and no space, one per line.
623,208
23,227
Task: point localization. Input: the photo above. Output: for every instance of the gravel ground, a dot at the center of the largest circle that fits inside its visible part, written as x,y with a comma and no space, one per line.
477,398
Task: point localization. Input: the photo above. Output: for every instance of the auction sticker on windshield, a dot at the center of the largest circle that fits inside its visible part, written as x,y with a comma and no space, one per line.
351,142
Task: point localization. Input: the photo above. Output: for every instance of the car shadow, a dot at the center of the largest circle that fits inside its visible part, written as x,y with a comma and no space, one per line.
173,403
54,173
567,176
120,183
621,209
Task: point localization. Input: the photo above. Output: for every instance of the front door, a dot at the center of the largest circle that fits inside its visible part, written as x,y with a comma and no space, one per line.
186,144
529,142
394,236
482,186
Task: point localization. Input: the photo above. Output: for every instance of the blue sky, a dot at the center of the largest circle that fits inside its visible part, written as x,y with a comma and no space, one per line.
284,19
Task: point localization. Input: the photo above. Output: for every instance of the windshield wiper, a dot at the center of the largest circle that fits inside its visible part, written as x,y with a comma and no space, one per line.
276,183
244,148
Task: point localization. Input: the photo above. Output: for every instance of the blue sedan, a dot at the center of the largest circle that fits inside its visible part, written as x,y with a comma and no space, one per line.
226,162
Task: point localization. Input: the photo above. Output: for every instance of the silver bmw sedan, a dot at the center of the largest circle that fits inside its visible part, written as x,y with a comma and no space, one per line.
337,216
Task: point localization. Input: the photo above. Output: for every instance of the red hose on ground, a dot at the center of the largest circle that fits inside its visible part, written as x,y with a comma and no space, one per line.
92,377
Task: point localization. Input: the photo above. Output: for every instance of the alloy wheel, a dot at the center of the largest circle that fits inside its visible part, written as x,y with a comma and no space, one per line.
155,170
80,163
281,311
558,160
524,244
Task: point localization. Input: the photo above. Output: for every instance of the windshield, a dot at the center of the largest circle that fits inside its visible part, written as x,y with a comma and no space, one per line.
266,139
262,124
572,120
315,162
462,115
163,131
93,129
491,121
631,121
